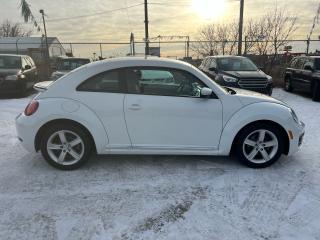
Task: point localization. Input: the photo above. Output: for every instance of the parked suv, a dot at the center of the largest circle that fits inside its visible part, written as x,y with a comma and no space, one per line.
303,73
237,71
18,73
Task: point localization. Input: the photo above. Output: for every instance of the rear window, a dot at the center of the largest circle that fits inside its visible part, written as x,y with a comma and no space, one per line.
10,62
103,82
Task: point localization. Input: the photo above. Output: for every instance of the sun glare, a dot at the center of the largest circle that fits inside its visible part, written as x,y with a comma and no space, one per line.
209,9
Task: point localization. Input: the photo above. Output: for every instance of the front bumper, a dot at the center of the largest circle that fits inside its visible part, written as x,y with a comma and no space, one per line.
10,87
298,132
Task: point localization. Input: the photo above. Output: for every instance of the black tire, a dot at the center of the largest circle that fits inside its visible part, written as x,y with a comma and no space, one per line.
287,84
251,129
86,144
316,91
23,90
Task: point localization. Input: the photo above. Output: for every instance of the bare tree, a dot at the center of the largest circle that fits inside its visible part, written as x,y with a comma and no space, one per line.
9,29
263,36
214,39
283,26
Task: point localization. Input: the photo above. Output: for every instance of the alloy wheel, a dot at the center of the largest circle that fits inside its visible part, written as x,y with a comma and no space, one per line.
260,146
65,147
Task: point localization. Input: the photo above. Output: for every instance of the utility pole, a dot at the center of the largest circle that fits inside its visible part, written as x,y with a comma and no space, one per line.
146,27
45,33
46,40
240,27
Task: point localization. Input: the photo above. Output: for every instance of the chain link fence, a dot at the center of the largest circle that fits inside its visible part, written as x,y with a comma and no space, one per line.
191,51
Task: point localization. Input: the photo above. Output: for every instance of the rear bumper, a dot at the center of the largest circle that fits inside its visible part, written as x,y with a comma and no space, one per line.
25,133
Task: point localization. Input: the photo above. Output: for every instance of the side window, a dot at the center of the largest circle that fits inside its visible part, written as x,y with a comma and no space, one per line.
300,63
31,62
308,62
163,82
213,63
204,62
108,81
293,63
24,62
208,62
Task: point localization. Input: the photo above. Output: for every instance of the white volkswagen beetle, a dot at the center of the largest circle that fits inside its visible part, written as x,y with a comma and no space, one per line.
153,106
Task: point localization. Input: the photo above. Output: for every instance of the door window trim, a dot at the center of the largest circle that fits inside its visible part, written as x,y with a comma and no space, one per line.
213,95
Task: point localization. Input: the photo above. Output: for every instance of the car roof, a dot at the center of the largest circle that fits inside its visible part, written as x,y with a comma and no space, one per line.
226,56
72,58
14,55
156,61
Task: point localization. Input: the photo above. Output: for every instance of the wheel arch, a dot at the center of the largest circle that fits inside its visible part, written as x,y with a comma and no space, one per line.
40,132
281,129
268,112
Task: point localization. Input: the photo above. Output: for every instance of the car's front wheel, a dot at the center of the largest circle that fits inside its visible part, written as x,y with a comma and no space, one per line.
259,145
66,147
287,84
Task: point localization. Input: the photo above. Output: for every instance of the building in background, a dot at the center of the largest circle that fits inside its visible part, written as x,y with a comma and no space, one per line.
34,47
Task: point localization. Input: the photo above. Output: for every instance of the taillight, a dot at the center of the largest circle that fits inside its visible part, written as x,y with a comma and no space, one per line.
31,108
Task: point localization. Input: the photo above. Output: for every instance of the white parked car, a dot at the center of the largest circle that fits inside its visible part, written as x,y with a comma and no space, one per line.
116,107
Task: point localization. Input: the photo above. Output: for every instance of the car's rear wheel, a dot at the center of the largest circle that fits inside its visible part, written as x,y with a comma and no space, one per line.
259,145
66,147
287,84
316,91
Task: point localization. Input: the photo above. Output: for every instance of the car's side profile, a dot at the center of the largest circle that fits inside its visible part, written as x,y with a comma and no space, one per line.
302,74
153,106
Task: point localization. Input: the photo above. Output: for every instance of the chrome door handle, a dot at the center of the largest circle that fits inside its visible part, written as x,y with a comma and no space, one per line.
135,107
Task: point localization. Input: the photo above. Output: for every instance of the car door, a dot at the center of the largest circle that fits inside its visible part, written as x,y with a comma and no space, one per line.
170,115
306,74
104,94
297,73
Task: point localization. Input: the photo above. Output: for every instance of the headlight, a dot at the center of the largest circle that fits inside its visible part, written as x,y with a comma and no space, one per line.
269,78
229,79
294,116
11,78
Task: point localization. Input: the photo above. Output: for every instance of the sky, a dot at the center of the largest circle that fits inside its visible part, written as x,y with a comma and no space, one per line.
95,20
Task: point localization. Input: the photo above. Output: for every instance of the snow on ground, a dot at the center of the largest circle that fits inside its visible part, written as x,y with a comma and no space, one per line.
160,197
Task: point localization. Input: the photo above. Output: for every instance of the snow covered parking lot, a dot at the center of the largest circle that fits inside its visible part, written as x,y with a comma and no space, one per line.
160,197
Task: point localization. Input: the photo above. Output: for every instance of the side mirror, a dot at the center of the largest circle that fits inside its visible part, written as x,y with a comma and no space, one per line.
261,68
26,67
205,92
212,69
308,67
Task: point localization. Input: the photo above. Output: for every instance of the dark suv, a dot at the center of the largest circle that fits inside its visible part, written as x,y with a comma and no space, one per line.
18,73
303,73
237,71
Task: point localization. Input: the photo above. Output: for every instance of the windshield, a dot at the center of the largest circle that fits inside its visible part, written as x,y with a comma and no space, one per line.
10,62
236,64
70,64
